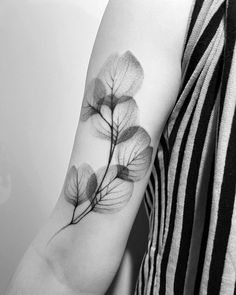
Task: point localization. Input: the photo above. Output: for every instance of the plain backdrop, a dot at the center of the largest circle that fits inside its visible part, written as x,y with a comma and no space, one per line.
45,47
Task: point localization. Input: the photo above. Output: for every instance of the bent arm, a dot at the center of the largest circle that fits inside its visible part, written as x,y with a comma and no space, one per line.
131,87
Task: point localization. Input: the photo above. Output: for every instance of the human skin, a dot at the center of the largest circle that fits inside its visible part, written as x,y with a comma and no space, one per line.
131,87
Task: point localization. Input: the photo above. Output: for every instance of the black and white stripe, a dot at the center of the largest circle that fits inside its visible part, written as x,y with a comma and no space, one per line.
190,198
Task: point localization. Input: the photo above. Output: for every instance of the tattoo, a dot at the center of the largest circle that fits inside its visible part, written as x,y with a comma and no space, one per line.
109,104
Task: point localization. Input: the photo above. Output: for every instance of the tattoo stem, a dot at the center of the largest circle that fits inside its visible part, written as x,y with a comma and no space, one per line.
112,147
57,232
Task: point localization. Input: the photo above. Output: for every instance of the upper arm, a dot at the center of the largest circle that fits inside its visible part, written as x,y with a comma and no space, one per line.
154,32
132,82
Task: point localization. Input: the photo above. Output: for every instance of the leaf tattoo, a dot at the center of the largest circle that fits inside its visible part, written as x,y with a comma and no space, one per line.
76,190
79,187
122,75
135,155
110,106
114,193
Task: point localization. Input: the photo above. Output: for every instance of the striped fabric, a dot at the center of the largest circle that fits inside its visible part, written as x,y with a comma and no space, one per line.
190,198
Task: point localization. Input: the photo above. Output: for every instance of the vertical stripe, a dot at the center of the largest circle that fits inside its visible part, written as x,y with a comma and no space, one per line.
225,122
229,48
189,205
204,40
190,200
200,203
195,32
153,274
227,197
187,97
181,189
173,213
224,216
205,232
196,9
178,169
165,176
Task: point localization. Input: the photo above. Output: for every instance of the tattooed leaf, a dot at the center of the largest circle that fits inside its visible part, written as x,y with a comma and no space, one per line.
85,172
125,115
117,82
122,75
127,134
93,99
102,122
113,193
91,186
135,154
109,124
106,176
111,101
76,191
71,192
123,172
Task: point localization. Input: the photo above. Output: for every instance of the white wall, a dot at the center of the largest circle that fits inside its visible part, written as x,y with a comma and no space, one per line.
44,52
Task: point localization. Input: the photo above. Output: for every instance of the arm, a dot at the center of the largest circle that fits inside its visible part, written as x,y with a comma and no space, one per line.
131,87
